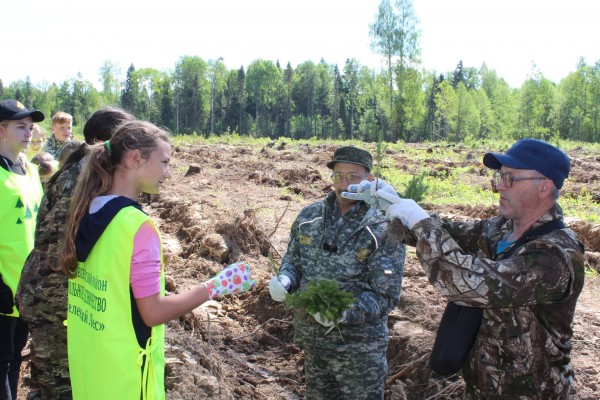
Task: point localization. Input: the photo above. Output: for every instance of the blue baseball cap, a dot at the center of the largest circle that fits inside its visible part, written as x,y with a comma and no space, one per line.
535,154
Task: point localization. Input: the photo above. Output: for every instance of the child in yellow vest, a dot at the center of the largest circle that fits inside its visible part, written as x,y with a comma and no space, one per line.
113,255
38,139
21,192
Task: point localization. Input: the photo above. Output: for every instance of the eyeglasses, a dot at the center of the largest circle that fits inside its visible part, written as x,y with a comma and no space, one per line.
507,180
350,176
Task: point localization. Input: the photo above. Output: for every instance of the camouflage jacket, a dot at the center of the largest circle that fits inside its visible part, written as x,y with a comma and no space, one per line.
524,341
42,289
54,146
361,257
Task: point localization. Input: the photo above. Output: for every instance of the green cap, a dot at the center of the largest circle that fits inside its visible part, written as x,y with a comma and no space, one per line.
351,155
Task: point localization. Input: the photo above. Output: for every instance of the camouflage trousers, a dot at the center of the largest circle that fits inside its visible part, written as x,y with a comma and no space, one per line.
345,375
42,301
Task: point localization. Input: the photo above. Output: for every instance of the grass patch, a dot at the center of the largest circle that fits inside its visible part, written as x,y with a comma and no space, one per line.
582,207
445,191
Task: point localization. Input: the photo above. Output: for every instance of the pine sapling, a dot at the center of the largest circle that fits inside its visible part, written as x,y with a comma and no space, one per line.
273,265
324,297
416,188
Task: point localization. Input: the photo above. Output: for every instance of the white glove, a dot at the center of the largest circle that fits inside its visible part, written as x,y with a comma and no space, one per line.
322,320
326,322
278,287
406,210
367,192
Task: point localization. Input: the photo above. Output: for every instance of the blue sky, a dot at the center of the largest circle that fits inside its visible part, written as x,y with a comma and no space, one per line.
56,40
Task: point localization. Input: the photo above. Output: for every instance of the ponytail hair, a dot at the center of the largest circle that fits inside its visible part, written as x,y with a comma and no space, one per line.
97,176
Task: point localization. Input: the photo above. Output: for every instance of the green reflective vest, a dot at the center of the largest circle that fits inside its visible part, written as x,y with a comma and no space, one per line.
20,197
105,359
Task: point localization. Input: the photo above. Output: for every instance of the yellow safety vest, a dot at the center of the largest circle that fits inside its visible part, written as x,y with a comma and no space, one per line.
105,359
20,197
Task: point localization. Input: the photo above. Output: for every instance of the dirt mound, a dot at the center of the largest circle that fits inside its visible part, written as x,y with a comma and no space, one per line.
297,181
463,212
588,233
244,236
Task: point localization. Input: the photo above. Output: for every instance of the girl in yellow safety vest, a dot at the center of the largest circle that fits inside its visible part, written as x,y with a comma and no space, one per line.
20,195
113,257
41,294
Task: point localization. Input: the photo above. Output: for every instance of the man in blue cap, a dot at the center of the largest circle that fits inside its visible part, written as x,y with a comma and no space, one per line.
524,269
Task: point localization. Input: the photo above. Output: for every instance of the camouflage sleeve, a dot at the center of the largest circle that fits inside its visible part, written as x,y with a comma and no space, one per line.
466,234
381,292
53,146
49,147
291,260
53,214
539,272
62,187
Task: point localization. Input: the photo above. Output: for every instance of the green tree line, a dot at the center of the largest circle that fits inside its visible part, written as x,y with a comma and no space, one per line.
402,101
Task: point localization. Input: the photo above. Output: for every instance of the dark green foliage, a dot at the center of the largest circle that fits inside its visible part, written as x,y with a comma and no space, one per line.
318,100
129,94
416,188
324,297
458,75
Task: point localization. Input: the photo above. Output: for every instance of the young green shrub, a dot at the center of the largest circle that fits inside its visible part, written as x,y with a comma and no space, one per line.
379,154
323,296
416,188
272,264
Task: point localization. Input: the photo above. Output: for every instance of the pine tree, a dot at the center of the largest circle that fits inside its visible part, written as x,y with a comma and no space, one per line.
458,76
129,91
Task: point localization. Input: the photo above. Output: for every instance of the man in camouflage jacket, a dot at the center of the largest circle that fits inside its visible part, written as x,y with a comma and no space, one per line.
522,349
346,241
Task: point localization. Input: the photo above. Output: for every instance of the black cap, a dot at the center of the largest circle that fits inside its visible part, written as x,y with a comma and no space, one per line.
13,110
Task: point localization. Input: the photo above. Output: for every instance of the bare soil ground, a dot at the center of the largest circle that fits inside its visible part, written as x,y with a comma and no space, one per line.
229,203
